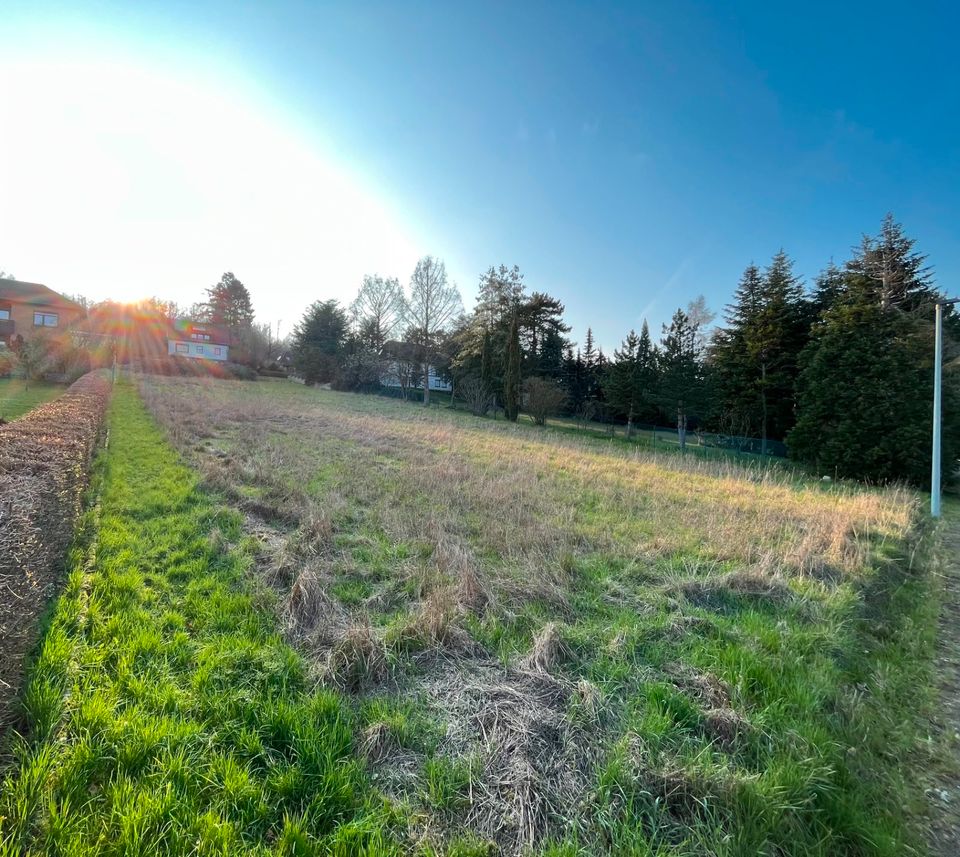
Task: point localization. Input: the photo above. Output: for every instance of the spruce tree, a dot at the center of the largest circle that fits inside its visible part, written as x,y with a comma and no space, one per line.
511,380
739,401
865,393
829,286
864,406
773,343
628,386
756,356
681,391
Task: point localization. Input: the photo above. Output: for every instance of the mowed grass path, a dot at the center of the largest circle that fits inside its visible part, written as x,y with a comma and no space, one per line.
17,396
164,714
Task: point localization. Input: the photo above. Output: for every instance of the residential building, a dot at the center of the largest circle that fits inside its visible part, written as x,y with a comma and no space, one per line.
197,340
403,368
30,308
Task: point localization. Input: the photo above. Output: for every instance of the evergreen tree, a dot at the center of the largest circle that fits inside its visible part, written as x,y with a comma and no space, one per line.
892,271
539,317
756,357
738,396
628,386
865,404
319,341
511,380
550,361
774,342
828,288
681,389
573,380
228,305
500,294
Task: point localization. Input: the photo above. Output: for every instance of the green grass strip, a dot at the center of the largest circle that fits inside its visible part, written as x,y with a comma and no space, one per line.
165,714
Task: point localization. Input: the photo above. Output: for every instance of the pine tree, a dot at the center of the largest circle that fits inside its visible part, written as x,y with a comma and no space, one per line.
894,273
773,342
549,362
511,380
738,398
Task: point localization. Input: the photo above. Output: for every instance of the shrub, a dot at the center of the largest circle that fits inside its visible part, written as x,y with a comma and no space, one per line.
192,368
542,398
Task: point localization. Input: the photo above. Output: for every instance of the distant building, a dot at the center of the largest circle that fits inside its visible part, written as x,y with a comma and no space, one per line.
403,368
30,308
198,340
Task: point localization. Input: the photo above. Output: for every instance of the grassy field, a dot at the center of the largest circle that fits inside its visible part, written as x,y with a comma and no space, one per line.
423,633
17,396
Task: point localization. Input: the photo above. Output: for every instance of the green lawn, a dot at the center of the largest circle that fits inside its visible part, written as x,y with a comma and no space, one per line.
166,715
18,396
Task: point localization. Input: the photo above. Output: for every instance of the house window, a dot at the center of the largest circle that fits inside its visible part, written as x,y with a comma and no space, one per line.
217,351
4,311
203,336
45,319
198,349
183,348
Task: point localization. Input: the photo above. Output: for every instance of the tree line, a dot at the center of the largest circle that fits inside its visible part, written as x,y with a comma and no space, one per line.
840,371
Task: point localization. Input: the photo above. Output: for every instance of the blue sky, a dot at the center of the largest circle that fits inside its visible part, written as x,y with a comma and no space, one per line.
626,156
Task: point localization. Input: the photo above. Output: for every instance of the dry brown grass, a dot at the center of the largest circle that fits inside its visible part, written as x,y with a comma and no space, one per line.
356,660
441,523
548,650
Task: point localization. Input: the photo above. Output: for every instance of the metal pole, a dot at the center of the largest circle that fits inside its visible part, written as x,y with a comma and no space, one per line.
937,371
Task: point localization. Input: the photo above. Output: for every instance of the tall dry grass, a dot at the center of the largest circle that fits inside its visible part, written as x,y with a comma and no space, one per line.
442,521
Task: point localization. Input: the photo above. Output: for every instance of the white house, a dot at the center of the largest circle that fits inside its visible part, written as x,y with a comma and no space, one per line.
403,368
396,374
200,341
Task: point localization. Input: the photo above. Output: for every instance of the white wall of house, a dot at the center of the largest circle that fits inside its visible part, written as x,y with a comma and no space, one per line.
390,379
199,350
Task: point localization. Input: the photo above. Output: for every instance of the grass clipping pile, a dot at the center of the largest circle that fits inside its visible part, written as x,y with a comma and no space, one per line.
44,466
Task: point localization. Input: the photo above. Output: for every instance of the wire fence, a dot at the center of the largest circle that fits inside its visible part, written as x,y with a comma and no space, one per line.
713,440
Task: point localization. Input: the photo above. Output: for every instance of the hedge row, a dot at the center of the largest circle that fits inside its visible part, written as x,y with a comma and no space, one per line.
45,459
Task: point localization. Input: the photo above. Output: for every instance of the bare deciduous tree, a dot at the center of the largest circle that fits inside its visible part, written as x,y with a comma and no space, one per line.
478,397
542,398
432,306
377,310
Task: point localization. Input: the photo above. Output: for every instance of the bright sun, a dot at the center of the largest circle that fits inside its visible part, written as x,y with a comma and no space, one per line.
118,181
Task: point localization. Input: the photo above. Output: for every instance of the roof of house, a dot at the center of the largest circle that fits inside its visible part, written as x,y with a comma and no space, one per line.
183,328
34,294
